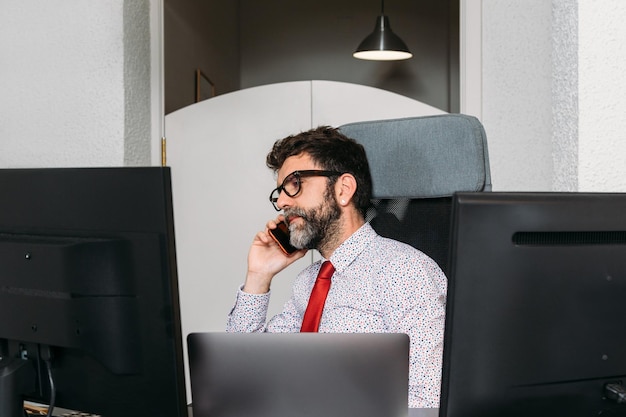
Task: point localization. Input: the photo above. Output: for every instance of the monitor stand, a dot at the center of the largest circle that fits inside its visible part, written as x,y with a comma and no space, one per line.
17,378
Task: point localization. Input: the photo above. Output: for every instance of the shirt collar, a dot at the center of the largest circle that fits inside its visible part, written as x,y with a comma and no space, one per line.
352,247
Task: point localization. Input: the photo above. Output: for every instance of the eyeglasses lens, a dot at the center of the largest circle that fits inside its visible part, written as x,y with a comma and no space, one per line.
291,185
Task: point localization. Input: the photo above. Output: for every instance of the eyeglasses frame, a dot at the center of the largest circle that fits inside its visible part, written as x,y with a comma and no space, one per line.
299,175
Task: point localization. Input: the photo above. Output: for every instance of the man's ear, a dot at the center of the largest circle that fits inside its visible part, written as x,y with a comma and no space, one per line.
345,187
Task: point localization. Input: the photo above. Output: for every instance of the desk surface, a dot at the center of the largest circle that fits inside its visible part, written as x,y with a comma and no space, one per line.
413,412
61,412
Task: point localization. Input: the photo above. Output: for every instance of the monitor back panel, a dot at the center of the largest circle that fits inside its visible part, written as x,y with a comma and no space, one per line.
536,292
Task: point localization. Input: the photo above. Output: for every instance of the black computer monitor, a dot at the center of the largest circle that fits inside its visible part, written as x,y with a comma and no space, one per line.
88,289
535,314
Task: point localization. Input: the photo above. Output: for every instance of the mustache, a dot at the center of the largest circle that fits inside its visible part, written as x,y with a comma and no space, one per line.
295,212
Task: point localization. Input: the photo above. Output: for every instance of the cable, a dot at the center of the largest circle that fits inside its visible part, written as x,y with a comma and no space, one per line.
53,391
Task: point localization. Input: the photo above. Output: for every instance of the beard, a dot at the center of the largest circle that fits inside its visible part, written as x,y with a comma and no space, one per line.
319,224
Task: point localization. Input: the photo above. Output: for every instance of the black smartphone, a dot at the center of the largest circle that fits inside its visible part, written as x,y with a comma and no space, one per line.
281,236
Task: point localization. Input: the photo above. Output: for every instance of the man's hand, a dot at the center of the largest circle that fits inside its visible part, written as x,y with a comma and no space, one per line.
266,259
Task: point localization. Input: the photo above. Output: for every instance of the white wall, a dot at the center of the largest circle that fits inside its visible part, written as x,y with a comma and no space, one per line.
564,90
602,95
75,82
516,93
553,93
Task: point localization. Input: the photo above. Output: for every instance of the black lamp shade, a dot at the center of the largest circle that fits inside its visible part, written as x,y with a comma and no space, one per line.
382,44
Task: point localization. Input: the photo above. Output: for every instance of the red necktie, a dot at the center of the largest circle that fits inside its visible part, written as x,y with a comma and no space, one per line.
313,313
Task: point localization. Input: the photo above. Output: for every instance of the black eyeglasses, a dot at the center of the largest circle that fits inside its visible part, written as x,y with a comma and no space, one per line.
292,182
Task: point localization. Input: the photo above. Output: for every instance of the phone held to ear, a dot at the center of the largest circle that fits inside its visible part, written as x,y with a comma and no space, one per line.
281,236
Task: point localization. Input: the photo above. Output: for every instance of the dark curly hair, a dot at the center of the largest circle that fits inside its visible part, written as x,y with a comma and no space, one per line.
332,151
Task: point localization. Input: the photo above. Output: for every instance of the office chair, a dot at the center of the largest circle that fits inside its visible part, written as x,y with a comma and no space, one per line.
417,164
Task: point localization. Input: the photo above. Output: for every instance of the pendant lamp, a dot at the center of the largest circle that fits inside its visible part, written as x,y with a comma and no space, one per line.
382,44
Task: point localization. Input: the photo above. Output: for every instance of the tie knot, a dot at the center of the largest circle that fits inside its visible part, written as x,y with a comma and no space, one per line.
326,271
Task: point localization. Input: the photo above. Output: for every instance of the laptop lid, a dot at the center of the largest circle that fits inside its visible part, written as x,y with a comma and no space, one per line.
299,374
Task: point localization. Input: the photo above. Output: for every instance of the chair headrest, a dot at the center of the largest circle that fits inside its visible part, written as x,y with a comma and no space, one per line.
423,157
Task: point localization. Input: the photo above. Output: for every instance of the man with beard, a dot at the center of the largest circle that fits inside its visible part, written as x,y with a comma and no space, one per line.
378,285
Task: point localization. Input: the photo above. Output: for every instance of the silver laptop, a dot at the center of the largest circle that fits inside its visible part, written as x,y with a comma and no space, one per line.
299,374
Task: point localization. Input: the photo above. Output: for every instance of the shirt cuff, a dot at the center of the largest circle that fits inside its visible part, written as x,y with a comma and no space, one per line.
249,312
